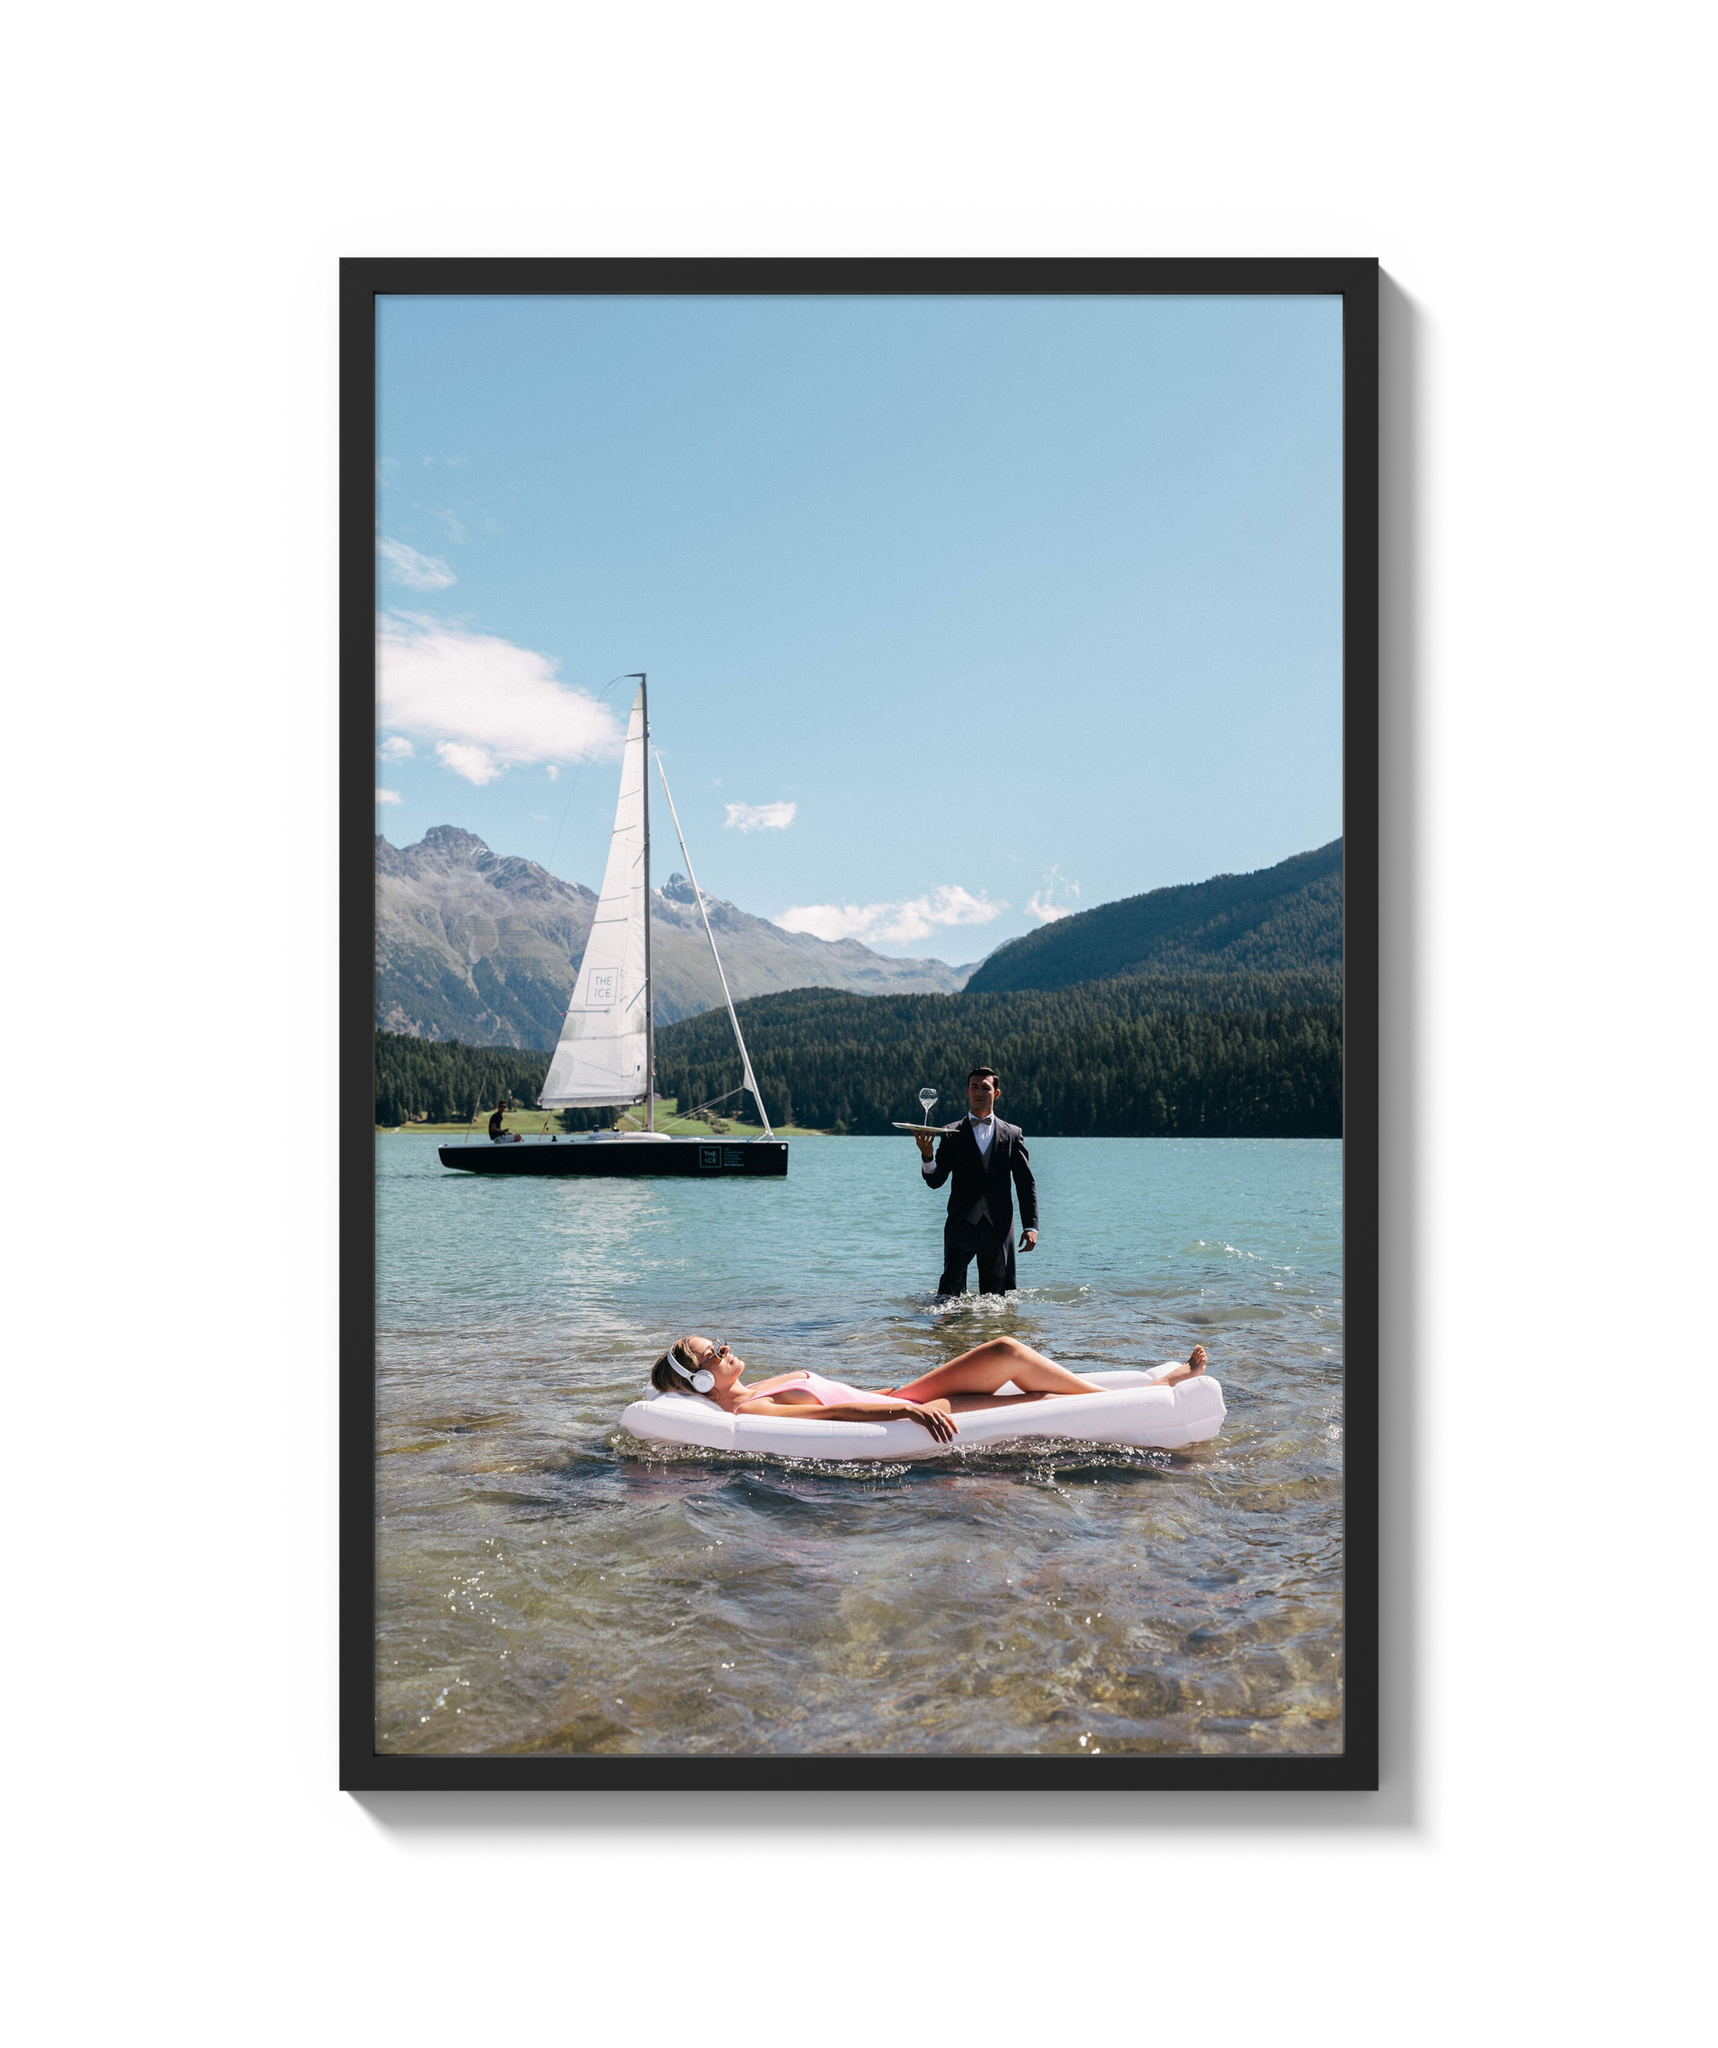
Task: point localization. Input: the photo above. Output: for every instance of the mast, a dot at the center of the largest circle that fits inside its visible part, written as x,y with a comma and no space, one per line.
649,994
751,1080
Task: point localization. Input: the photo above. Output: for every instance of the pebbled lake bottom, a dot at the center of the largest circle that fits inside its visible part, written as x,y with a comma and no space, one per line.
546,1584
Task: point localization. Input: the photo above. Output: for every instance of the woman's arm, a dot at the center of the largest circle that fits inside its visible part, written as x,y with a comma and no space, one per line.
933,1416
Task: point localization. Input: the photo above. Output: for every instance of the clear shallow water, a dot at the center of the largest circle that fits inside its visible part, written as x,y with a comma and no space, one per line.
547,1584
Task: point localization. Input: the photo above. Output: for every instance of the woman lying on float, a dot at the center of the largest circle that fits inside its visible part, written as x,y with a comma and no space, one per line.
694,1365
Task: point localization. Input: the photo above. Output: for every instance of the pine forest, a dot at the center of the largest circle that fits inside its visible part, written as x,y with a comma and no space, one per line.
1190,1055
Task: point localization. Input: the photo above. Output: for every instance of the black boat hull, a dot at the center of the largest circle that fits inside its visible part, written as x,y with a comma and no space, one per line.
696,1158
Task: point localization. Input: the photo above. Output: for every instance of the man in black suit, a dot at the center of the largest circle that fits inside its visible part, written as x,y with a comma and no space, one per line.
986,1160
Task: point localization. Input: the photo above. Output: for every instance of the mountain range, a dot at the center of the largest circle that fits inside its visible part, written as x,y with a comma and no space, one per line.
484,947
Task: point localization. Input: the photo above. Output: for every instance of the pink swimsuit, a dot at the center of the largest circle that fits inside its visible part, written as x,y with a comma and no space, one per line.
833,1394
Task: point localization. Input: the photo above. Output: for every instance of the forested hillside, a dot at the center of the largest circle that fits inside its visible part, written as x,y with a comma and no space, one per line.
1149,1056
1188,1056
1286,918
445,1082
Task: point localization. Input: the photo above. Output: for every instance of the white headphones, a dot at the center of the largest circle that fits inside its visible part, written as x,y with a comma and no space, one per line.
702,1381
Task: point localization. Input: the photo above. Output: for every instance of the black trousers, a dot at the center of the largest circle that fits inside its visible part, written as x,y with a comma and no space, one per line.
993,1249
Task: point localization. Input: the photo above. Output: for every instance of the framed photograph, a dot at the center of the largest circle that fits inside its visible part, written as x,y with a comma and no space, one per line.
860,956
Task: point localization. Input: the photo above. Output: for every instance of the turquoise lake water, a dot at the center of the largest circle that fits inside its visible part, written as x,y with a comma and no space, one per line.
547,1584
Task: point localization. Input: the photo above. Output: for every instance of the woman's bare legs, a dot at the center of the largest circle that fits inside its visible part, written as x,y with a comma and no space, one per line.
989,1366
986,1367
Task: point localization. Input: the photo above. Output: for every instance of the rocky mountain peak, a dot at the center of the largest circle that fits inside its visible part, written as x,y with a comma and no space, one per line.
451,843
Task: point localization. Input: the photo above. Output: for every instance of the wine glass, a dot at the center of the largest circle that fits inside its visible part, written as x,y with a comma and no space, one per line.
926,1097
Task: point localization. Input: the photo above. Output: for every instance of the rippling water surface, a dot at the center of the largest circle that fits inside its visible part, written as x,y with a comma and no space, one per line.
549,1585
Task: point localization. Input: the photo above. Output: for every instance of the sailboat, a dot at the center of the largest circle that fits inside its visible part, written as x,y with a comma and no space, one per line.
606,1058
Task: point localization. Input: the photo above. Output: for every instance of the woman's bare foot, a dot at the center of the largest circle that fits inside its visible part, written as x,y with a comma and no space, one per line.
1190,1371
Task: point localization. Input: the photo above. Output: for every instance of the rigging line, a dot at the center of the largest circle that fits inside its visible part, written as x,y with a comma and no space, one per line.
685,1116
566,808
750,1079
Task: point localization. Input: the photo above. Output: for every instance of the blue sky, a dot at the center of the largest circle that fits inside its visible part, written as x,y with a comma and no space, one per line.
958,613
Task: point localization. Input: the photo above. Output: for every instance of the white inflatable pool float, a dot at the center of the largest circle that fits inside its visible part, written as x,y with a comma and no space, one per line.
1132,1409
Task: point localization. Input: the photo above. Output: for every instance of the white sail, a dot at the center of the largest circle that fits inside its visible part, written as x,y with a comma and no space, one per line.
603,1058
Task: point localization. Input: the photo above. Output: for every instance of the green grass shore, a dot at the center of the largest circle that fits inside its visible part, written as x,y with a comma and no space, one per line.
533,1123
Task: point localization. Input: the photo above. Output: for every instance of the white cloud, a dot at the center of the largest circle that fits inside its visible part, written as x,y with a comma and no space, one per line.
1043,904
832,920
389,796
476,764
761,817
554,772
422,572
484,704
393,748
892,924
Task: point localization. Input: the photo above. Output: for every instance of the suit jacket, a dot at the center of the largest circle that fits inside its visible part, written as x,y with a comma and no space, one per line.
994,1177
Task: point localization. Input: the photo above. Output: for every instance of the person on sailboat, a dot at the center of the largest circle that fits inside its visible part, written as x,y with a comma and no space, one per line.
695,1365
986,1160
497,1134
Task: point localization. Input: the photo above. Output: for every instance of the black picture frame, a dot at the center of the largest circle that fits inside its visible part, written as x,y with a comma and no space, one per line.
361,279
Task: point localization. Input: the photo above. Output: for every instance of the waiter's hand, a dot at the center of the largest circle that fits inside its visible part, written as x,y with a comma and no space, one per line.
1028,1240
924,1143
